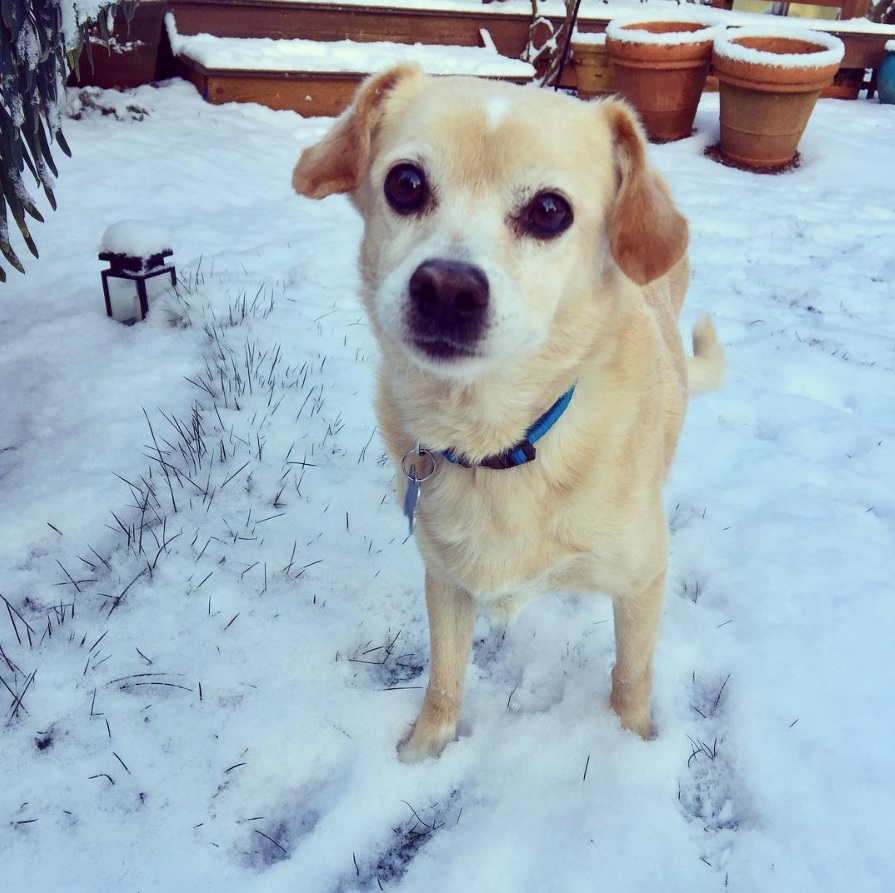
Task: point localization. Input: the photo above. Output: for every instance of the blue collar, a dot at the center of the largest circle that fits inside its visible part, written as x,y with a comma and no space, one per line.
524,451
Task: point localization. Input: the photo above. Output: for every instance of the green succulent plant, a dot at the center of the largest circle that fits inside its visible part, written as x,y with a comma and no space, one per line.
36,55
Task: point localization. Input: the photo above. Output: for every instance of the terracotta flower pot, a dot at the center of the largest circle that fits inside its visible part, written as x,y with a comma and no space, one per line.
769,84
592,66
660,68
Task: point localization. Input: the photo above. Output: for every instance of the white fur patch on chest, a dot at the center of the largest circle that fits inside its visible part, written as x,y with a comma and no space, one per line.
507,604
505,601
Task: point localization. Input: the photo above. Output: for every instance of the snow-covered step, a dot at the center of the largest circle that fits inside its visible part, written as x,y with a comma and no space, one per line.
318,77
447,22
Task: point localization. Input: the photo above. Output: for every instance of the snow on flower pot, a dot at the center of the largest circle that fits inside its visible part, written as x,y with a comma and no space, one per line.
592,66
769,82
660,67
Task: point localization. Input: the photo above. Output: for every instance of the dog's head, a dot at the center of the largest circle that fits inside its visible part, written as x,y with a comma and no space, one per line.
492,212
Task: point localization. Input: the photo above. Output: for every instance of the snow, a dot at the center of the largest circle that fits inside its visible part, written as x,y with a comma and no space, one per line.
589,37
267,54
73,13
280,605
846,26
625,28
672,11
830,49
603,11
498,8
135,238
890,46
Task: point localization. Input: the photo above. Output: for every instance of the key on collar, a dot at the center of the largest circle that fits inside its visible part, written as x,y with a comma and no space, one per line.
418,465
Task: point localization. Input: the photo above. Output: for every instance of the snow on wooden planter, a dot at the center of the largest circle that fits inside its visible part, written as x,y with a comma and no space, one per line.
318,77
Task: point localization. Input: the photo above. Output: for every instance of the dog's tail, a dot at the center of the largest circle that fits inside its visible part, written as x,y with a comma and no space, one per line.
705,369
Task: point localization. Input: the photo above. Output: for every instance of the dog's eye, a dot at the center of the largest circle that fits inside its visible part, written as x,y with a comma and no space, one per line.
546,215
406,189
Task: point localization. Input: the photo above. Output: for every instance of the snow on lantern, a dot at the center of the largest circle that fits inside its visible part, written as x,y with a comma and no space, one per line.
138,269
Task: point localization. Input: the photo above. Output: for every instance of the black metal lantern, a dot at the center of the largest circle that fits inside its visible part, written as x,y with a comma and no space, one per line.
131,282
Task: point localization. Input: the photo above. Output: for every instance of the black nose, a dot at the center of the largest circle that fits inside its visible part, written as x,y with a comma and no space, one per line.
448,305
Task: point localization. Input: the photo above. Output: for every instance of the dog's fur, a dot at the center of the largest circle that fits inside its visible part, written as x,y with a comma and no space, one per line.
597,306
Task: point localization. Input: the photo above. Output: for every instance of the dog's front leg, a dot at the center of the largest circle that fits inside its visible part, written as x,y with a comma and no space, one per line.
637,615
452,614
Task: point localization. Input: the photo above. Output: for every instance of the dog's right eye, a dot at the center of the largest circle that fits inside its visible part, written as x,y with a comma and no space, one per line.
406,189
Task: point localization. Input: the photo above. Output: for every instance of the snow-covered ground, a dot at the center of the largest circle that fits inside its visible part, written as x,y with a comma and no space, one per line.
212,625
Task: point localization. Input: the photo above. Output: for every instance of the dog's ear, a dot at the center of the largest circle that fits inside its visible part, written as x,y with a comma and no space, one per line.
647,234
337,163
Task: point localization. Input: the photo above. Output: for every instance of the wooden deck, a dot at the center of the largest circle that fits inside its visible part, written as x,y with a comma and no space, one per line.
327,93
365,24
312,94
322,93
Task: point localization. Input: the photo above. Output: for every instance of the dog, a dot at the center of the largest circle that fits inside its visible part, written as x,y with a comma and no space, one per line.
523,269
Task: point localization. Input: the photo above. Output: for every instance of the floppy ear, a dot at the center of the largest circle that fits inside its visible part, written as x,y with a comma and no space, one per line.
647,234
337,163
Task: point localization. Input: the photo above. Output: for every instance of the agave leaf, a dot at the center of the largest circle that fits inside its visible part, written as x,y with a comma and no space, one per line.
26,235
8,71
12,14
45,150
60,139
10,255
5,247
19,200
88,44
31,147
34,59
33,212
8,136
28,161
46,77
41,157
73,58
51,196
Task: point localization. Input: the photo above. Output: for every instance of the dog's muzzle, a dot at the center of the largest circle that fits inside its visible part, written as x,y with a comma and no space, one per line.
448,308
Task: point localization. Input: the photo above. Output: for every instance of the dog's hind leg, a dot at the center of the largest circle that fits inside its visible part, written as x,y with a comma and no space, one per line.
637,617
452,614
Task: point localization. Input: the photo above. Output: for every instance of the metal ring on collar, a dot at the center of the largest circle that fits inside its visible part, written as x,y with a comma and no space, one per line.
406,464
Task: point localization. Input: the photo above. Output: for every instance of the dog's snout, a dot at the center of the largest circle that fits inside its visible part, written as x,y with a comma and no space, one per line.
448,307
448,291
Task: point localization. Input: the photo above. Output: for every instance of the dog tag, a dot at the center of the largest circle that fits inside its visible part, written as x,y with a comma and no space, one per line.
411,497
415,480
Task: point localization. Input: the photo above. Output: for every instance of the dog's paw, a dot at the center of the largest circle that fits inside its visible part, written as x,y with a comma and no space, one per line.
630,701
640,725
425,740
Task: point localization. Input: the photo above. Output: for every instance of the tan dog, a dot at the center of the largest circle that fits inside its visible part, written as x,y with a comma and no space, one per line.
517,244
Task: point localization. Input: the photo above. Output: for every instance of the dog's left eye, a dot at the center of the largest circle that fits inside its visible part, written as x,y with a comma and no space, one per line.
406,189
546,215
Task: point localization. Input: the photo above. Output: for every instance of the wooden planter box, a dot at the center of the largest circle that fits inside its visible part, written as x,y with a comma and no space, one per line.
129,58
